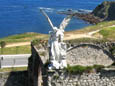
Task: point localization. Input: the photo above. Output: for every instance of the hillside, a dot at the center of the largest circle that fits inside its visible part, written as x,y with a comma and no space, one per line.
20,43
105,10
25,37
103,30
100,31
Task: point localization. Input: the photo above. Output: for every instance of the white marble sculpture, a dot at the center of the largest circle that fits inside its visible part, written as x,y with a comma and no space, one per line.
57,48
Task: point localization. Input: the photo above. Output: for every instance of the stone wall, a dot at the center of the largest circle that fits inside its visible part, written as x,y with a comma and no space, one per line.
59,78
35,68
84,53
13,78
103,45
88,55
78,54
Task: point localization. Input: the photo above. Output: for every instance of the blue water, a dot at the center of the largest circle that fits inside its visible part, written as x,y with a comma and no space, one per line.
19,16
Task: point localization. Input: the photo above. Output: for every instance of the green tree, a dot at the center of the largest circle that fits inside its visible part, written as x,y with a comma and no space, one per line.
2,45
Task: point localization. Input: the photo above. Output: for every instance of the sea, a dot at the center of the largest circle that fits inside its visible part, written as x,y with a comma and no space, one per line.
21,16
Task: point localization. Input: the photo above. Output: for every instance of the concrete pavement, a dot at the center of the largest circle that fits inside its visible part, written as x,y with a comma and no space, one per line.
19,60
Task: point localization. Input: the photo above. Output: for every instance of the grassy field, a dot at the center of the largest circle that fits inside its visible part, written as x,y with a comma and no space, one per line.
17,50
13,69
25,37
87,40
108,33
98,26
20,38
106,30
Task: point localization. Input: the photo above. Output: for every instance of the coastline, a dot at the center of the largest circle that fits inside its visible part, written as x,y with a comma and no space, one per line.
83,15
88,17
95,31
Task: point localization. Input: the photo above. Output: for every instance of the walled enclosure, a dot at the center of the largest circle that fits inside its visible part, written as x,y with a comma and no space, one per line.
38,74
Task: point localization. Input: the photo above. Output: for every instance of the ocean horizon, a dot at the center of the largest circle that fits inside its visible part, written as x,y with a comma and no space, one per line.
21,16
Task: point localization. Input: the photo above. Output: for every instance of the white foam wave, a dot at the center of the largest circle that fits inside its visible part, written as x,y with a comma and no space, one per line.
65,10
68,11
84,11
47,9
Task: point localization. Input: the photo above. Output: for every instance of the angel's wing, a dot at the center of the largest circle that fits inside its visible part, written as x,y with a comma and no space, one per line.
65,22
47,18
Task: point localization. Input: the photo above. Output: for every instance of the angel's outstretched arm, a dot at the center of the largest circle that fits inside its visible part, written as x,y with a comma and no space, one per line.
65,22
47,18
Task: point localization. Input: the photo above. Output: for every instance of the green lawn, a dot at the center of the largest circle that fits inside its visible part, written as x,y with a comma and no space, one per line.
13,69
17,50
108,33
81,69
94,27
23,37
87,40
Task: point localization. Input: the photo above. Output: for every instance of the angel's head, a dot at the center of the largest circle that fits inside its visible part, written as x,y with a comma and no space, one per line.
55,29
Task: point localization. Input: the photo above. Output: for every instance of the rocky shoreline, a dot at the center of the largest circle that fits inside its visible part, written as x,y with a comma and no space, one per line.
88,17
103,12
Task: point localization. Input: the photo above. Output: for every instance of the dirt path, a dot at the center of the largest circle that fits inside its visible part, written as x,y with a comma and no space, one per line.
67,37
18,44
85,35
112,26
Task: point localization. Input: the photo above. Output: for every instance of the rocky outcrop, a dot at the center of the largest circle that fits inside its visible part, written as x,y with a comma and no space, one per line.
102,12
105,10
89,17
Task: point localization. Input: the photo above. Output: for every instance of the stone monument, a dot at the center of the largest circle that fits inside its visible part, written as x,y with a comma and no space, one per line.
57,48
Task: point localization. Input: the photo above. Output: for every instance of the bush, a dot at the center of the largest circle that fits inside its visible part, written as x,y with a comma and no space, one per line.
98,67
80,69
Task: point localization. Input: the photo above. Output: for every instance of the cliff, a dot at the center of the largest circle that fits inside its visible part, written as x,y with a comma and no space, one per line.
105,10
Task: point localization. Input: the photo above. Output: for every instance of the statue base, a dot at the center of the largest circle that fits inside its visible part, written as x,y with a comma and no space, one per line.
57,65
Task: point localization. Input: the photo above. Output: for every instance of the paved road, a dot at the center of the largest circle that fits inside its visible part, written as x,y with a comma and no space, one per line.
19,60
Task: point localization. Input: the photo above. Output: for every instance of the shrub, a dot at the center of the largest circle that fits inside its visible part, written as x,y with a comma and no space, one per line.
80,69
98,67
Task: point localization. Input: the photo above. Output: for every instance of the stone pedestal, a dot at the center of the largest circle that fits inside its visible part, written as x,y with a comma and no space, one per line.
56,78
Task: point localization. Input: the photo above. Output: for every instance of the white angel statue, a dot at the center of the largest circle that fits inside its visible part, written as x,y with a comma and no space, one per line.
57,48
